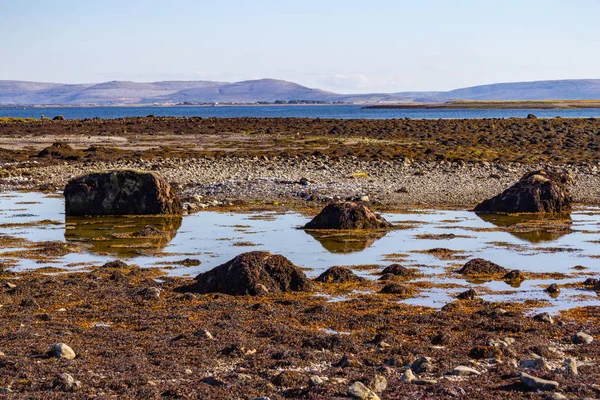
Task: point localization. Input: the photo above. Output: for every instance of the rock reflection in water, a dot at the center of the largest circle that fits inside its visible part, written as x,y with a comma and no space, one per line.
534,228
340,241
123,236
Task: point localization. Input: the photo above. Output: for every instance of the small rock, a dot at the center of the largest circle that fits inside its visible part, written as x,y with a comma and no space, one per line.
538,364
205,333
61,350
316,380
514,275
408,376
552,290
423,364
9,285
425,382
555,396
485,352
582,338
67,383
462,370
347,362
151,293
359,391
304,182
189,296
188,371
570,367
538,383
543,317
468,295
378,384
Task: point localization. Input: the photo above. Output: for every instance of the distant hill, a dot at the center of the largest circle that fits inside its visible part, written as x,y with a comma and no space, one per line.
569,89
271,90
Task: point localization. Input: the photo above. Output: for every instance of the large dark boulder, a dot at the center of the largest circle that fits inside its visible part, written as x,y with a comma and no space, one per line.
347,216
254,273
537,192
121,192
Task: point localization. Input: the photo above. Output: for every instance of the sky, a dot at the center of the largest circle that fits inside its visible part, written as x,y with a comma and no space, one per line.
345,46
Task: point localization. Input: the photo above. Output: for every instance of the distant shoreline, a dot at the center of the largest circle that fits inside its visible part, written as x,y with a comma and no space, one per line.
544,104
42,106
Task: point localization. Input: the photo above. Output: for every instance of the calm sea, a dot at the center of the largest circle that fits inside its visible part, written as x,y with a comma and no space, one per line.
340,112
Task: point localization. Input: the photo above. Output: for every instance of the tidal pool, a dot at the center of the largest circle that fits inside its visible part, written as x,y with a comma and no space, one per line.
198,242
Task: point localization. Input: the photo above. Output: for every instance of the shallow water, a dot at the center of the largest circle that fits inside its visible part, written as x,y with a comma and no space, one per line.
289,111
215,237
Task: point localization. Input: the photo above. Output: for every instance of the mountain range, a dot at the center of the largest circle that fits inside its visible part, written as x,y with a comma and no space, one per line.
271,90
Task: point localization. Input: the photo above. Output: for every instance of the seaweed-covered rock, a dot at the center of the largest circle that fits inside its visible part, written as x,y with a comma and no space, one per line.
347,215
537,192
398,270
397,289
121,192
254,273
514,275
467,295
479,266
61,151
338,275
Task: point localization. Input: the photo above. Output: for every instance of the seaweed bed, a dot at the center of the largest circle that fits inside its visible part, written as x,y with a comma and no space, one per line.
130,344
519,140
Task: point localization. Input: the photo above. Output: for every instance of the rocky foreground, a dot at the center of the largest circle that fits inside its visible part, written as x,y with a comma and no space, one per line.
116,332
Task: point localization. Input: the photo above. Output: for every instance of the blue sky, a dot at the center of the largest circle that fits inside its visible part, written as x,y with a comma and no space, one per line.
341,45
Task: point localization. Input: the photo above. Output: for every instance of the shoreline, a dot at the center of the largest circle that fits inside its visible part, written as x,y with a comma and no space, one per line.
311,183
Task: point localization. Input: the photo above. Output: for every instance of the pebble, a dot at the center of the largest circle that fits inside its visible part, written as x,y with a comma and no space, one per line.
555,396
408,376
582,338
378,383
538,364
67,383
543,317
316,380
570,367
359,391
189,296
553,289
61,350
10,285
205,333
462,370
423,364
538,383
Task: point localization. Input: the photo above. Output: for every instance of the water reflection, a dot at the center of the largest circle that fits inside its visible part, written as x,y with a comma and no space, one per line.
338,241
534,228
123,236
